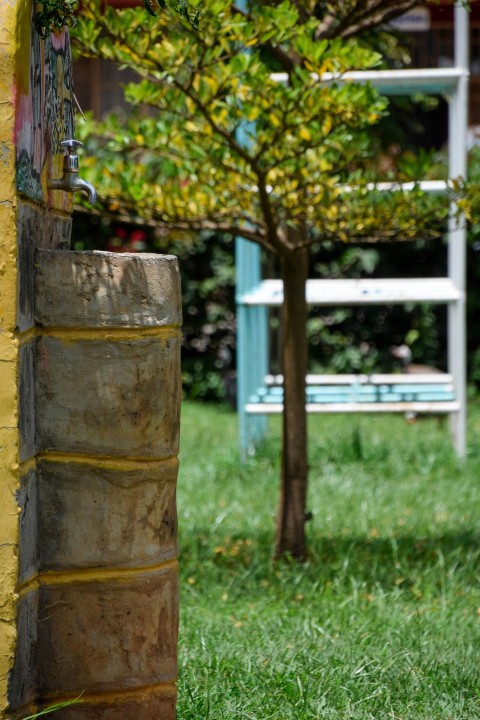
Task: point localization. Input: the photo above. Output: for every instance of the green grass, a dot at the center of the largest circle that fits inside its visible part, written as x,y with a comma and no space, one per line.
383,621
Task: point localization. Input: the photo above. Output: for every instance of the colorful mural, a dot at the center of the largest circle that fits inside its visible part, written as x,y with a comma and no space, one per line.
45,114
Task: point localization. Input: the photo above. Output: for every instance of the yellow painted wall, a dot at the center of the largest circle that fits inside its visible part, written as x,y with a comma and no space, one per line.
11,52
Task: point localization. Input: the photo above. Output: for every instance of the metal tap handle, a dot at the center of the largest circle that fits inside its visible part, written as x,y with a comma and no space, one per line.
70,181
70,145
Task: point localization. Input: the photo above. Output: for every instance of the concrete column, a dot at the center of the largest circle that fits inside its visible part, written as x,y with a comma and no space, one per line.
100,387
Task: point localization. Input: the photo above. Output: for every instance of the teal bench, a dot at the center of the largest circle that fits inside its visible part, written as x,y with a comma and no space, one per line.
432,393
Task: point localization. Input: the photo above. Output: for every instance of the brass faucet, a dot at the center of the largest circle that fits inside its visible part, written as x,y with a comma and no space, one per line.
70,181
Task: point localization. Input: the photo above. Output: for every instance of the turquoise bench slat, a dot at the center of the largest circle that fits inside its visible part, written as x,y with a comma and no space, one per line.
428,387
361,393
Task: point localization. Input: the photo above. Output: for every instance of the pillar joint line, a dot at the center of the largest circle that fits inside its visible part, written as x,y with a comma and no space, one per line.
74,334
104,462
92,575
166,689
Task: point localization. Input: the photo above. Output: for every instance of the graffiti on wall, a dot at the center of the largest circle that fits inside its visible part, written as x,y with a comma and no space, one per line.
45,114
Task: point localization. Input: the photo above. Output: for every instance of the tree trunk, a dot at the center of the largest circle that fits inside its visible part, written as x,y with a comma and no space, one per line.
294,474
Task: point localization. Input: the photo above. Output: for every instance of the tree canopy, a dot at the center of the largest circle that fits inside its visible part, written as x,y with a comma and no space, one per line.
226,144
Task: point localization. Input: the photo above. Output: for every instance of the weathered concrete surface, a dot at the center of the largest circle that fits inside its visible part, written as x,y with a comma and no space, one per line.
37,228
158,703
100,404
26,391
103,636
100,289
76,516
117,398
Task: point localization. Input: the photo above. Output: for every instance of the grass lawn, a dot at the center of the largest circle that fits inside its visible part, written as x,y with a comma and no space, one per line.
383,621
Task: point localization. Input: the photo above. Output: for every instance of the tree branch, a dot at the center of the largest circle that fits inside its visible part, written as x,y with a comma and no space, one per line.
364,15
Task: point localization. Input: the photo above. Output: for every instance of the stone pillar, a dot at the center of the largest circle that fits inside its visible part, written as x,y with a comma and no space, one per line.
89,419
97,612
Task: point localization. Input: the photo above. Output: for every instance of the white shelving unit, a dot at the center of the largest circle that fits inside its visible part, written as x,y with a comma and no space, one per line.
361,292
259,394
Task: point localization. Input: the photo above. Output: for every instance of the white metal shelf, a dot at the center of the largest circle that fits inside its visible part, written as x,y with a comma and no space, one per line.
440,408
373,379
432,81
360,292
434,187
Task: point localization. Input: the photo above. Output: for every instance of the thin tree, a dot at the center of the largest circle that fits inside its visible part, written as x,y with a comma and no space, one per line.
296,179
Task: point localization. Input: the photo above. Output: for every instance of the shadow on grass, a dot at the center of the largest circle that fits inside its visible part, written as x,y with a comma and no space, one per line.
380,559
398,561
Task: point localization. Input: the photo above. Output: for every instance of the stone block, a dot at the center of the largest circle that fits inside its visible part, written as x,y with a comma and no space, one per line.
23,680
97,636
36,228
75,516
111,398
26,393
156,704
102,289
